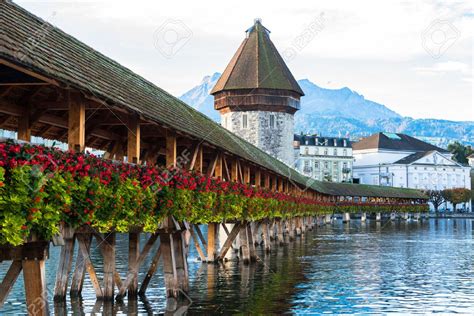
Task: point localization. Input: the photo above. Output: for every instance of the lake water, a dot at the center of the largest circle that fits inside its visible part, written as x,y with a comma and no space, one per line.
401,267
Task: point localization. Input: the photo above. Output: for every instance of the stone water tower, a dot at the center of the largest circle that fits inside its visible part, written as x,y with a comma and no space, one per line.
257,96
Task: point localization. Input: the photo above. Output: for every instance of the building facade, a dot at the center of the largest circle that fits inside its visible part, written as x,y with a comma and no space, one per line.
324,158
399,160
257,96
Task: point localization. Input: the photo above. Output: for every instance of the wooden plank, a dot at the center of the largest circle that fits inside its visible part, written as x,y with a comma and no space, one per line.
9,280
266,236
132,275
230,239
258,178
211,242
64,268
224,226
133,139
24,126
181,262
171,151
226,169
244,243
109,266
196,244
83,248
234,170
267,181
197,156
151,272
201,236
246,174
133,264
212,166
219,167
76,122
251,243
169,265
35,287
80,270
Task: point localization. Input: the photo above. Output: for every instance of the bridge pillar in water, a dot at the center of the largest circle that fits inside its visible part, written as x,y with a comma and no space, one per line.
393,216
416,216
346,217
405,216
363,217
327,219
281,240
230,255
266,236
378,217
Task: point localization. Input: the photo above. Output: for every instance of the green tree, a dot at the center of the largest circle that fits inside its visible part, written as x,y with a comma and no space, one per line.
456,196
436,198
460,152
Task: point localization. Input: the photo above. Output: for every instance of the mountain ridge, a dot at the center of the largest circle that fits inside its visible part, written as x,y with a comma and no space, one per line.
345,112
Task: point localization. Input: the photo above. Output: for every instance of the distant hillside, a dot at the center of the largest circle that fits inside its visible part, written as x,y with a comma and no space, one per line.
344,112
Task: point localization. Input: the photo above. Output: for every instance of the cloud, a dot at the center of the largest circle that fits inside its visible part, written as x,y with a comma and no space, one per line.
444,67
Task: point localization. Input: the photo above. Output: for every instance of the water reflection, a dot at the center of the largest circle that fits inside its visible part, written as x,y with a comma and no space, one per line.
372,267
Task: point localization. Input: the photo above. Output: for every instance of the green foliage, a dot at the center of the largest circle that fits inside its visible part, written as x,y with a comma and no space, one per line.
460,152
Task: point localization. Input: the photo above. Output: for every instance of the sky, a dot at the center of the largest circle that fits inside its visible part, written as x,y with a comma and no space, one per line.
416,57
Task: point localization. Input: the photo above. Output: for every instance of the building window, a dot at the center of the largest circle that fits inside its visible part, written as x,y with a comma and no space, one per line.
316,165
344,165
272,121
244,121
335,152
306,150
316,151
325,151
344,152
326,165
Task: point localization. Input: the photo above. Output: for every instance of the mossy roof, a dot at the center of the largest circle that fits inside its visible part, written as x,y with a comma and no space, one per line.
29,41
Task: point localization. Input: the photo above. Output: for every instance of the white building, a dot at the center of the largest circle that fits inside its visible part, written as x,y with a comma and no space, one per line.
324,158
402,161
470,160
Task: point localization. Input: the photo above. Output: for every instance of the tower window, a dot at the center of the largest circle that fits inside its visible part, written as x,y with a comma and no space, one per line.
272,121
244,121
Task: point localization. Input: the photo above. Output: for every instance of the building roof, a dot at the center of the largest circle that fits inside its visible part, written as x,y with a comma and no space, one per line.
314,140
73,64
395,141
471,156
413,157
257,64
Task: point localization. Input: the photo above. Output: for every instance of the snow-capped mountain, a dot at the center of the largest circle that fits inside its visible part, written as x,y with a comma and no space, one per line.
344,112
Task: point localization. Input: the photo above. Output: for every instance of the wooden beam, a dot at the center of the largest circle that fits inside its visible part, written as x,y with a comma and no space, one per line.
9,280
258,178
151,271
234,170
24,125
267,181
28,72
171,151
133,139
76,122
35,287
219,167
246,174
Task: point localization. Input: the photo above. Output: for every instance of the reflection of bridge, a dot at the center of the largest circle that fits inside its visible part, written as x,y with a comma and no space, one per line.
55,87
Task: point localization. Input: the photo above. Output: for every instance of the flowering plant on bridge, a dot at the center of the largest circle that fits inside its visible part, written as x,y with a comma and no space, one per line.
42,187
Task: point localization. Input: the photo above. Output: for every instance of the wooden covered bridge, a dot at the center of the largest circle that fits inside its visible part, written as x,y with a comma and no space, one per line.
56,87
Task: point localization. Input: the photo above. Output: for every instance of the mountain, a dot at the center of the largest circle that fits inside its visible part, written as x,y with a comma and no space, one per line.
344,112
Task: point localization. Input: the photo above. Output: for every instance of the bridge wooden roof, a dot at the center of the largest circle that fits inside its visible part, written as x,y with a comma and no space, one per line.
30,43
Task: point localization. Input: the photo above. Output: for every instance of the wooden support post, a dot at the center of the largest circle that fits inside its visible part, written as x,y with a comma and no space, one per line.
197,245
9,280
108,252
267,181
179,247
35,287
228,242
171,151
258,178
151,272
251,244
133,139
266,236
246,174
133,254
80,269
76,122
291,228
234,171
281,240
169,265
244,243
24,126
65,264
212,229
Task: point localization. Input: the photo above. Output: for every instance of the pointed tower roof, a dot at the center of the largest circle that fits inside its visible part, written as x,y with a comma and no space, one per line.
257,64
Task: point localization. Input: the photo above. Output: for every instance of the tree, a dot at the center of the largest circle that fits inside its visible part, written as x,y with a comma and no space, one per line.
456,196
436,198
460,152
